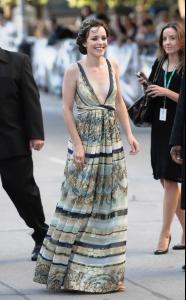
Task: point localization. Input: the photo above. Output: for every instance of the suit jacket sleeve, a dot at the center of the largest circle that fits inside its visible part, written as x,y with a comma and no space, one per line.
31,103
177,136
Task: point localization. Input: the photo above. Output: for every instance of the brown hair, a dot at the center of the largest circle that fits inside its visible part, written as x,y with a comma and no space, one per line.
181,40
85,30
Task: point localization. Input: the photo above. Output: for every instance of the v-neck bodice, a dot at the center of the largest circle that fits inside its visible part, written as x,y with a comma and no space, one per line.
86,96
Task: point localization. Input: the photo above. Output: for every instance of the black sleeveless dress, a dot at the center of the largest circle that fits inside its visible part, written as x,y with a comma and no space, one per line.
162,163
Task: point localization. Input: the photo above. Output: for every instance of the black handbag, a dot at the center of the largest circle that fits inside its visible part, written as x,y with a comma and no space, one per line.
141,111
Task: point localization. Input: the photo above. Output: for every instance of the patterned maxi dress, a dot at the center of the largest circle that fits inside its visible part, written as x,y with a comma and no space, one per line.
85,247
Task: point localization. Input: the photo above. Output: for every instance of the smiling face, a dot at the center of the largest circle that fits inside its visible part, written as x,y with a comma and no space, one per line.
170,41
97,41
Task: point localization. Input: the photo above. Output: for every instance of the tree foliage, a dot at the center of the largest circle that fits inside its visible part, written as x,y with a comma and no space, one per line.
110,3
6,2
3,3
93,3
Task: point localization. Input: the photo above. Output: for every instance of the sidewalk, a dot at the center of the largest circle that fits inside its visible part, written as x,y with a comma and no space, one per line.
148,277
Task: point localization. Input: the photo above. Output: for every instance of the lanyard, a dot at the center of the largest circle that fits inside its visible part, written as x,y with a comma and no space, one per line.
168,82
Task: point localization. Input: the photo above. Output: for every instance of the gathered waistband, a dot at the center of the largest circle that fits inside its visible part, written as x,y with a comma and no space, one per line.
96,107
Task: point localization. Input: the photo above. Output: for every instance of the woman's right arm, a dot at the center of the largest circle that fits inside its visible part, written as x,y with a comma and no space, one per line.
69,90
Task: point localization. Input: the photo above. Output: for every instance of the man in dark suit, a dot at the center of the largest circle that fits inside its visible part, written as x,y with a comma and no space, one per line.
21,130
177,142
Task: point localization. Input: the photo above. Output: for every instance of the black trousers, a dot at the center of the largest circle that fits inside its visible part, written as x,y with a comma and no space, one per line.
18,181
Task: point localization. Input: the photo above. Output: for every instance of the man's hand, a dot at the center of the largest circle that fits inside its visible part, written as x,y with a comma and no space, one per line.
36,144
176,154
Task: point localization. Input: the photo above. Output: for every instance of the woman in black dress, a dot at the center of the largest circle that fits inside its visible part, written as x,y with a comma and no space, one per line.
165,94
178,142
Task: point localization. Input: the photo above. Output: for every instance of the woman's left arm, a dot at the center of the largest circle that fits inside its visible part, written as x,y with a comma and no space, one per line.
158,91
123,116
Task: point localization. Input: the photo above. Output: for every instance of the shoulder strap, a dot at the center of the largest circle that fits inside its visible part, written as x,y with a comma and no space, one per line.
158,68
108,63
80,68
111,75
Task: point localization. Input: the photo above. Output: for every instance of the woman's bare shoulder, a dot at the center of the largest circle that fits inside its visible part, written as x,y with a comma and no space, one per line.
72,72
114,65
72,69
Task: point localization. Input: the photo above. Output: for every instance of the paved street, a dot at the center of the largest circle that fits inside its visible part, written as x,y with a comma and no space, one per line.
147,277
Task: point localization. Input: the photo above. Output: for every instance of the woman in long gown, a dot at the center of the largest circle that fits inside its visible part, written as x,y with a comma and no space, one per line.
85,247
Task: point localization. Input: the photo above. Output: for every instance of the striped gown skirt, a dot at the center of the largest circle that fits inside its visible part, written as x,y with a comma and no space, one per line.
85,247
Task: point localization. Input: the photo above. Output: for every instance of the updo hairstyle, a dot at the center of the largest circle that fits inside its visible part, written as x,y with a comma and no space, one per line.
85,30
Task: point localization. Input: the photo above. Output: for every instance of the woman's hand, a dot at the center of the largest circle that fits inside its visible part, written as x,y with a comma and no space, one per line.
143,82
79,156
176,154
156,91
135,147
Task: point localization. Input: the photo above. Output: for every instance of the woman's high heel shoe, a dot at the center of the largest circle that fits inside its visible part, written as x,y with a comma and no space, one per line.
179,247
161,252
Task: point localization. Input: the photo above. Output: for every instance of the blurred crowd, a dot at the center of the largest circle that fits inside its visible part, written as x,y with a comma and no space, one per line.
52,46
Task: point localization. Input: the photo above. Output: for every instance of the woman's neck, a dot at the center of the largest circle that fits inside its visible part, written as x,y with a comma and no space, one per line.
173,59
94,62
